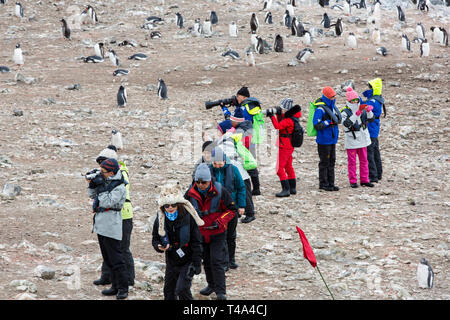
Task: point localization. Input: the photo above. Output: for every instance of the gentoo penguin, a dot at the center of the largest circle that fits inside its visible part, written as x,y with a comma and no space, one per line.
377,8
406,45
362,4
254,23
231,53
376,36
250,58
93,59
122,97
4,69
444,38
18,56
268,18
382,51
162,89
425,274
207,28
401,14
437,34
290,9
113,57
179,20
322,3
267,5
347,7
254,39
155,34
351,41
294,26
197,27
116,139
3,1
260,45
339,27
99,49
307,38
287,19
154,19
138,56
18,10
326,21
424,48
120,72
91,14
292,3
420,31
278,44
232,29
303,55
65,29
213,17
422,5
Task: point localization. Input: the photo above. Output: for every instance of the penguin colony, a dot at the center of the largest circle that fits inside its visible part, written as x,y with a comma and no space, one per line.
285,13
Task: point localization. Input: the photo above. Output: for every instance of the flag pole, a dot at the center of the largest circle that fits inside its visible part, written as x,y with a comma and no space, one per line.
324,282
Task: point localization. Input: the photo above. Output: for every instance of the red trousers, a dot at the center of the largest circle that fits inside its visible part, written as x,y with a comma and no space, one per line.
285,171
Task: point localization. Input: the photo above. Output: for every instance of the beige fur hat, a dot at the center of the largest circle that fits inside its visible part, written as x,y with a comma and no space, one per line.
172,193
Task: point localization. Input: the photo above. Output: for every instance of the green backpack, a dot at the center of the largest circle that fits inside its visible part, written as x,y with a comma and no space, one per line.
310,130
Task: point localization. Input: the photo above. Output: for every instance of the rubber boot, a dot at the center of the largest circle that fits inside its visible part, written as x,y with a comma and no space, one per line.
286,190
293,186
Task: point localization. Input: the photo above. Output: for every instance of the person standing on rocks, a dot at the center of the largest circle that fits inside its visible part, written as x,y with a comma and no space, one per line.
214,205
355,118
281,120
326,119
229,177
176,233
109,193
127,222
376,100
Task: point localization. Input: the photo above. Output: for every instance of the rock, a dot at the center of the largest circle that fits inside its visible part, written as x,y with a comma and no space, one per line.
76,86
23,285
204,82
11,190
17,113
21,78
53,246
147,165
43,272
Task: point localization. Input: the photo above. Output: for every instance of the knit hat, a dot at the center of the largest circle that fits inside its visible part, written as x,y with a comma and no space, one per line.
244,92
218,155
351,94
107,153
328,92
224,126
286,103
202,173
110,165
171,193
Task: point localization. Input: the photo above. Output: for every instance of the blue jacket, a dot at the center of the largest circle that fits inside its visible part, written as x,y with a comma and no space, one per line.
234,184
327,130
376,101
241,110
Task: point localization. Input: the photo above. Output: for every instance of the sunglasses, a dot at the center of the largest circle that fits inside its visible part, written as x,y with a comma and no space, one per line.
167,206
202,182
354,100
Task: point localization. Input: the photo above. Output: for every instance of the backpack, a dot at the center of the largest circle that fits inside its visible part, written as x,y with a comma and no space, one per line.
297,134
310,130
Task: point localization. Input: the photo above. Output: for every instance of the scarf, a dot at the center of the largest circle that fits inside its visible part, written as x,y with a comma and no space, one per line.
171,216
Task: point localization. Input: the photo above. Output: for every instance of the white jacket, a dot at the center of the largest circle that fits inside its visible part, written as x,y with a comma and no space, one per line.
355,139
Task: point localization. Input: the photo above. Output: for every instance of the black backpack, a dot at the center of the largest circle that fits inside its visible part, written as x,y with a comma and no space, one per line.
297,134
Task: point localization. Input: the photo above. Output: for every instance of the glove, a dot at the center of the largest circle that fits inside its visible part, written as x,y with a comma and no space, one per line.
193,269
269,113
97,181
213,226
278,109
369,108
358,112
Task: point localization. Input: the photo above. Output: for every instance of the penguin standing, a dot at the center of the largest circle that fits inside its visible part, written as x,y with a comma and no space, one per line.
424,48
3,1
444,38
18,10
260,45
420,31
339,27
197,27
436,34
250,58
406,45
294,25
213,17
122,97
322,3
287,19
267,5
113,57
207,28
307,38
65,29
90,11
401,14
18,56
278,45
162,89
116,139
303,55
233,30
326,21
254,39
254,23
351,41
347,7
268,18
376,36
179,20
99,49
425,274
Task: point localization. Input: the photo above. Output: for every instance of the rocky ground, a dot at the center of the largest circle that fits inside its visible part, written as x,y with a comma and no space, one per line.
368,241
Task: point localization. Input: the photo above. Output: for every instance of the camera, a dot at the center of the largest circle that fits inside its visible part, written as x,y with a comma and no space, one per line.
92,174
228,101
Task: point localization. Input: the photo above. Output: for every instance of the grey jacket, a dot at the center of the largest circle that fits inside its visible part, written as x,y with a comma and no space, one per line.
109,223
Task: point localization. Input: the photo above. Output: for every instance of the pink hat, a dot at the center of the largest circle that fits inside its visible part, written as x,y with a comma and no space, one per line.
351,94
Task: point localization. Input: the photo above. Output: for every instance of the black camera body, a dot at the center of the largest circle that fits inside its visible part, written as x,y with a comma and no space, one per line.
96,178
228,101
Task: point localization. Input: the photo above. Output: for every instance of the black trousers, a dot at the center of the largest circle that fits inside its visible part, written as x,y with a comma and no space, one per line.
127,228
214,258
374,159
231,240
254,176
113,258
327,155
249,207
177,285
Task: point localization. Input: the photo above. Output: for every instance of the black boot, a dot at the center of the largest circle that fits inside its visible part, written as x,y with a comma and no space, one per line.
102,281
293,186
286,190
110,292
255,184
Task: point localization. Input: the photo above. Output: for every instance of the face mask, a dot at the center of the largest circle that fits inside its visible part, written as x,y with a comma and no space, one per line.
353,106
171,216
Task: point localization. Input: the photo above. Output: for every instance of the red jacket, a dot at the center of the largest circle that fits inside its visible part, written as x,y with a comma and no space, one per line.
224,214
285,126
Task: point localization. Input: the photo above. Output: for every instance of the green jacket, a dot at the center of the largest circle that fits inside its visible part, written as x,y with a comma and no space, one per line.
127,209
